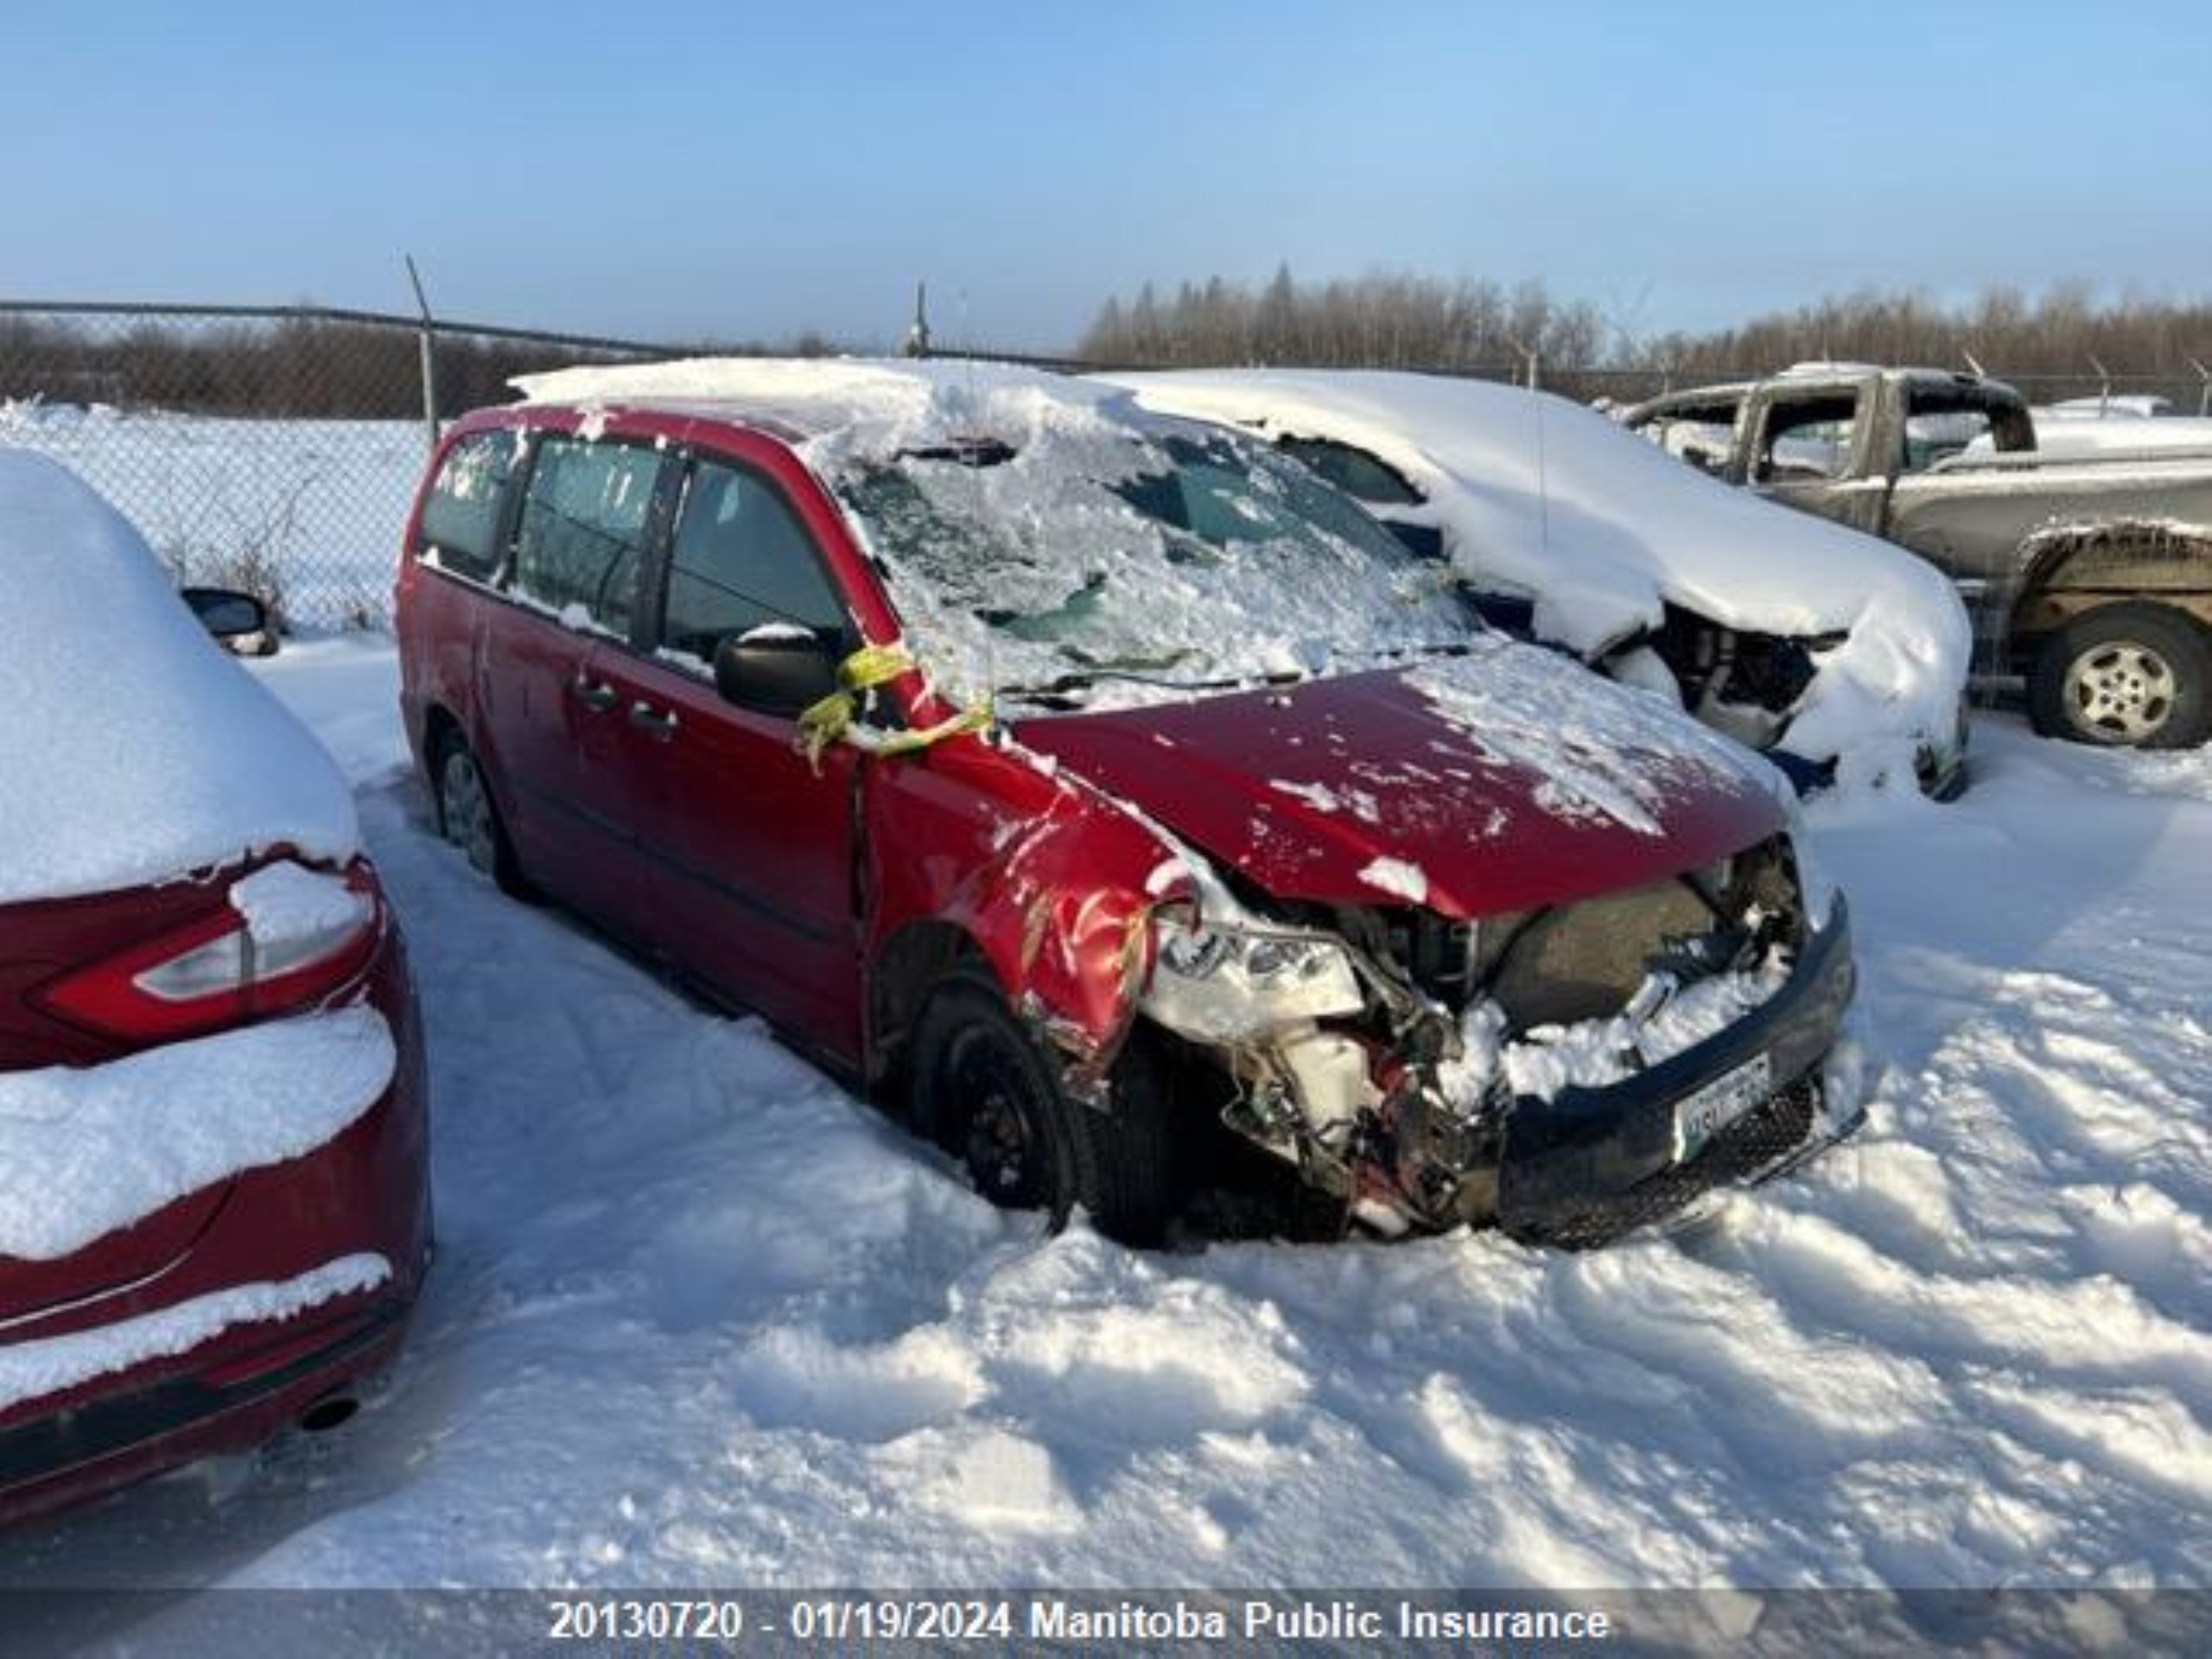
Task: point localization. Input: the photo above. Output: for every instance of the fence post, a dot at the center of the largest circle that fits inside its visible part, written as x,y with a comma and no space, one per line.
426,339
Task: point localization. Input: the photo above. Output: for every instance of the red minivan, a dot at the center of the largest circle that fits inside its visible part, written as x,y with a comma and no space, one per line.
213,1199
1080,781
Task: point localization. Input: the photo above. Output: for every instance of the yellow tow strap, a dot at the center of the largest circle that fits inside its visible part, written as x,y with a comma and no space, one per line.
830,720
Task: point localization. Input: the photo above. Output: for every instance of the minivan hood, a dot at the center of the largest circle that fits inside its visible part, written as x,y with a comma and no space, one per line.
1505,779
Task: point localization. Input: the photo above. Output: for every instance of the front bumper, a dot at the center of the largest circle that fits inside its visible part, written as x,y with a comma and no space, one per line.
1594,1163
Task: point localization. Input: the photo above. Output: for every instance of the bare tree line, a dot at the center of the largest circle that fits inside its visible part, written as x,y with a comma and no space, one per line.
1378,321
293,366
2063,333
1408,322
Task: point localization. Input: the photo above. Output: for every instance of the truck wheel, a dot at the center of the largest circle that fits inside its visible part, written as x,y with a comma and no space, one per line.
985,1091
2133,675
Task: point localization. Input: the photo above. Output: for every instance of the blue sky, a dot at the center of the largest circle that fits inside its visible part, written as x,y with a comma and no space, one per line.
736,170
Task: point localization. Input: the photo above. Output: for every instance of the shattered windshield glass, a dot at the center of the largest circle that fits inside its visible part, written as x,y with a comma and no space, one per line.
1100,556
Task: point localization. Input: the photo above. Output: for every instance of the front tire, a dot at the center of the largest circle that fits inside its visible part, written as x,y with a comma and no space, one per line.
987,1092
2130,675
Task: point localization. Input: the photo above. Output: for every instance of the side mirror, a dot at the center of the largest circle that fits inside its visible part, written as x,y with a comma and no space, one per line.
776,669
239,621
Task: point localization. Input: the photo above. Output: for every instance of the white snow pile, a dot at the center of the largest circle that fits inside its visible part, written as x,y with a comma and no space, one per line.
1046,539
30,1370
86,1150
133,749
1539,496
285,904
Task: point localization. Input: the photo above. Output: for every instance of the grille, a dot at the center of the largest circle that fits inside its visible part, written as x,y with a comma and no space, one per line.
1582,961
1742,1151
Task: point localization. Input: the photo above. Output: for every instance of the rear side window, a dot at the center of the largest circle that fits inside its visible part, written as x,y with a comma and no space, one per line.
1353,471
741,560
461,518
581,541
1808,438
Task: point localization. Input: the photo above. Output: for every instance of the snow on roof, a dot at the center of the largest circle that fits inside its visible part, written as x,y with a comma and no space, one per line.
1540,494
133,750
895,400
1049,535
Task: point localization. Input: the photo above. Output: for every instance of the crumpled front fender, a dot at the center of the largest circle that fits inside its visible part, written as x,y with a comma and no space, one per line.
1046,875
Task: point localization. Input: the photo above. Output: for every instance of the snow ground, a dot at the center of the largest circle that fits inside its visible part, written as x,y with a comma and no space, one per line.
700,1320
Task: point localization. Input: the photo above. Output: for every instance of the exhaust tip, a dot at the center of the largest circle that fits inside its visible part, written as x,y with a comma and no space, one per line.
332,1411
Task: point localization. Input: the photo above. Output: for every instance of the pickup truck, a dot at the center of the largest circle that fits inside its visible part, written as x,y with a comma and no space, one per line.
2088,575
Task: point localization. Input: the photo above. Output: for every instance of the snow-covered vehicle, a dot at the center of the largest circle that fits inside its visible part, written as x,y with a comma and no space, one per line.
2083,551
213,1210
1077,779
1823,648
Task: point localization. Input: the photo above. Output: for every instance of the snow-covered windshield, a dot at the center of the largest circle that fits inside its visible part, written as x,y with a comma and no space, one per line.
1098,555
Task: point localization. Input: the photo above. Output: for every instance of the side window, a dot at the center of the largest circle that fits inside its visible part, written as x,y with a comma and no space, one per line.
1808,438
1934,432
1703,435
582,535
461,518
1355,472
1940,422
741,561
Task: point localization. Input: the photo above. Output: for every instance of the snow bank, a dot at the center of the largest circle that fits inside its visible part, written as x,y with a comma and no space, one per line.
1540,496
84,1151
133,749
30,1371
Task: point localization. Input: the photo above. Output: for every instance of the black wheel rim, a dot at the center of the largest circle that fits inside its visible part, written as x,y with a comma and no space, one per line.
999,1122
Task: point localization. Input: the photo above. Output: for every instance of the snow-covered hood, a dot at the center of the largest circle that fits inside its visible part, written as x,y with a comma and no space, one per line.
1498,781
133,750
1536,493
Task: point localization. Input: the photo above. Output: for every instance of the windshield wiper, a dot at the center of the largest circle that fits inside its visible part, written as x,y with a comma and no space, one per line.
1066,683
1388,653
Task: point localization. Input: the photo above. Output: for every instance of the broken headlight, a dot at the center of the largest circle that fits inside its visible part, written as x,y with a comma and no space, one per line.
1231,983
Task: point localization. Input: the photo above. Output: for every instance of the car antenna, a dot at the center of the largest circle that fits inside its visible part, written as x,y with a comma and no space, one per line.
1528,357
1975,364
2104,385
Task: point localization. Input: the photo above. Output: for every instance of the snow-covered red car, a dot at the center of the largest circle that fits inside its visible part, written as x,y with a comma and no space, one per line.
213,1203
1080,780
1832,651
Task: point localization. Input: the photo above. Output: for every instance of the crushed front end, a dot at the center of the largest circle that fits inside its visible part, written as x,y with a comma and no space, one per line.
1566,1074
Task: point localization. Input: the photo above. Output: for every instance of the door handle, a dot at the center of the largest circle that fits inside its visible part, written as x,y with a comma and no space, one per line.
654,722
595,694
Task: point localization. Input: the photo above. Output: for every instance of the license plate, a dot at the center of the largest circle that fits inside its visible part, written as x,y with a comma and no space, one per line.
1701,1115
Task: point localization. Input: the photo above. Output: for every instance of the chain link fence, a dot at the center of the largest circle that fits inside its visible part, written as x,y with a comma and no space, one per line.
277,450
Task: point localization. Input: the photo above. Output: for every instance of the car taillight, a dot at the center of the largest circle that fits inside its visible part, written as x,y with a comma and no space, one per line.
213,973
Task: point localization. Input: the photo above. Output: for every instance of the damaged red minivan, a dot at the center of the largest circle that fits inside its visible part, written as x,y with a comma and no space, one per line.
213,1203
1072,778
